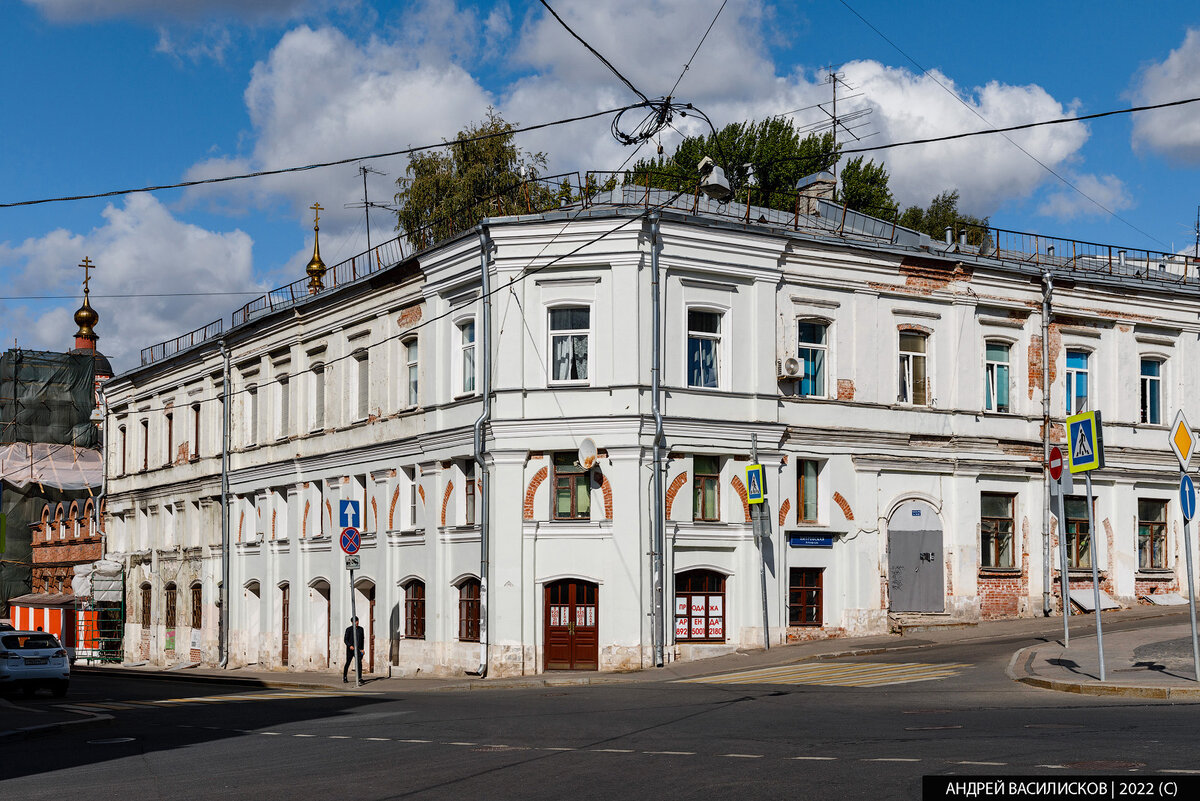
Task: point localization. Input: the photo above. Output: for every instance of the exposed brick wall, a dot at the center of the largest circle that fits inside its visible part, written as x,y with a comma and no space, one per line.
1157,585
844,505
808,633
421,492
673,490
409,317
273,513
446,499
845,389
606,488
740,489
375,514
241,520
784,508
531,491
329,513
998,594
304,520
392,508
924,329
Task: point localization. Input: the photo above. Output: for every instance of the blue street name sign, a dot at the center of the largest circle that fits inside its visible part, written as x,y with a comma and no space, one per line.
1187,497
348,513
351,541
810,541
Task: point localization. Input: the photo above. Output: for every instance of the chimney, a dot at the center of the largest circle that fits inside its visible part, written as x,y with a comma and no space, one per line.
815,188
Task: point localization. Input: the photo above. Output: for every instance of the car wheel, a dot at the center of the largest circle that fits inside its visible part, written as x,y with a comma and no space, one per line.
60,688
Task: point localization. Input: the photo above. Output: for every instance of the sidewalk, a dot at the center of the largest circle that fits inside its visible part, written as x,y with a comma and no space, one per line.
1043,664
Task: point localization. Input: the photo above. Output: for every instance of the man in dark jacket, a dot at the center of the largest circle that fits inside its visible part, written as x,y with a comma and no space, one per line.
354,647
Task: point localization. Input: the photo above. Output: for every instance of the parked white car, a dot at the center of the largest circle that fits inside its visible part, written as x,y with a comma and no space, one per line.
32,659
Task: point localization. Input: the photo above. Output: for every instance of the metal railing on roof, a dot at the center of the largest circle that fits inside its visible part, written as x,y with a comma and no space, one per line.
163,350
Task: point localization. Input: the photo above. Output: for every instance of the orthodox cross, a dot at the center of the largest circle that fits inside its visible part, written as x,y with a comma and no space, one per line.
87,266
317,209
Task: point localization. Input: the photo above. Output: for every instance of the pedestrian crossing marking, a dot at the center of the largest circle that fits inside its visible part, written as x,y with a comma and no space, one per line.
838,674
232,698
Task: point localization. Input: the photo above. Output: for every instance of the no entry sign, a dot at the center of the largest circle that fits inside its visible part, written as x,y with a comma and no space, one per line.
1055,463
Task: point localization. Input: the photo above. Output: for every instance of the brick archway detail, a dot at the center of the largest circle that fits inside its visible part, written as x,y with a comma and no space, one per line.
740,489
446,499
421,492
606,488
844,505
375,512
673,490
304,521
329,513
531,491
783,511
392,508
241,520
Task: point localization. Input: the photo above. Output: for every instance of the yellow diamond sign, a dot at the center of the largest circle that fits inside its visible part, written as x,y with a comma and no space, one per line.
1182,440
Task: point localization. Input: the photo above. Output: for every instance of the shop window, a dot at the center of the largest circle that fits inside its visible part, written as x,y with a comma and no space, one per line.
572,488
996,530
1152,534
468,610
700,606
805,596
414,610
706,488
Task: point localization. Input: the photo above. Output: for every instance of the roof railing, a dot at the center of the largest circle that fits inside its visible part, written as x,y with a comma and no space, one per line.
163,350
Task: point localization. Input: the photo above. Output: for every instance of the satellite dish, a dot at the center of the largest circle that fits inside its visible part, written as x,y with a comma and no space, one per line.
587,453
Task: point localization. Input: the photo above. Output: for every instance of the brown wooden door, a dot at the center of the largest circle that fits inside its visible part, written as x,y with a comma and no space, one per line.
371,634
286,604
572,614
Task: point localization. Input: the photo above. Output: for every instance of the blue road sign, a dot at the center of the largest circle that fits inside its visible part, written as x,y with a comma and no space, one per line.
1085,438
351,540
348,513
756,488
1187,497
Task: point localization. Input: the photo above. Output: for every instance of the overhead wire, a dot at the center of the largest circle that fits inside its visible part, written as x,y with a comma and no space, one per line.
976,112
596,53
688,65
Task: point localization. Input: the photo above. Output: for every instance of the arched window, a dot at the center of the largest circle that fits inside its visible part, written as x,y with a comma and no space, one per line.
700,606
171,598
1151,405
59,529
914,376
468,610
197,606
414,610
996,376
145,606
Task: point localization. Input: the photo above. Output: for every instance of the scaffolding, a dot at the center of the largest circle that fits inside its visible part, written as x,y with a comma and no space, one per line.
100,620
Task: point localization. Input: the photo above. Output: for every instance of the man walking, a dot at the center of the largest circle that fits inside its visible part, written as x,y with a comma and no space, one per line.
354,648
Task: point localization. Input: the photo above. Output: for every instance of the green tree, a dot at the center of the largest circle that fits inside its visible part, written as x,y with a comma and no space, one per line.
942,213
445,193
865,188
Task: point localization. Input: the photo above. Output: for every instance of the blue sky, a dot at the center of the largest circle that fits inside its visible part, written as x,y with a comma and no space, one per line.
111,94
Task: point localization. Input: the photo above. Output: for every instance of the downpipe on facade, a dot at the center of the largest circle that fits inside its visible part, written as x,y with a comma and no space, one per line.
657,613
480,443
226,412
1047,291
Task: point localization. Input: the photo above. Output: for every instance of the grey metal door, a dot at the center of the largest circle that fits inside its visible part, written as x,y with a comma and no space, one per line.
916,582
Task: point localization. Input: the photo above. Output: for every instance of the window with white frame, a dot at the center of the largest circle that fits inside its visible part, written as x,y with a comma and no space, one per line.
996,376
1151,391
413,482
285,403
318,396
570,333
811,348
251,414
1077,381
362,383
466,347
703,349
412,372
914,378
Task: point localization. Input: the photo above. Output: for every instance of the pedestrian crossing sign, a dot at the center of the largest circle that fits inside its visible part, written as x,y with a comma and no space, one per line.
755,488
1085,441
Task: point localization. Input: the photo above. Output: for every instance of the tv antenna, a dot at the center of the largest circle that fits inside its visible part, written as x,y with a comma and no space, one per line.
366,202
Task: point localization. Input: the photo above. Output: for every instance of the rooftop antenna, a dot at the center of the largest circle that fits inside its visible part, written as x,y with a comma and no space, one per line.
366,203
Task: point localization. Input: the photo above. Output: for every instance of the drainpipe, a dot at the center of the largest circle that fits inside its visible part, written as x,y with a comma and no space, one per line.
1047,291
226,413
658,634
485,342
103,474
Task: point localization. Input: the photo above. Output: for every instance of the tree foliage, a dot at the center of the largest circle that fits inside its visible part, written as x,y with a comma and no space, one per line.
942,213
447,192
865,188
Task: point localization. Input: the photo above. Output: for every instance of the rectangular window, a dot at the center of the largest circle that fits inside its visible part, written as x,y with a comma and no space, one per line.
195,431
812,347
171,599
700,606
914,381
706,482
318,390
285,403
1152,534
414,610
362,397
467,360
412,500
1077,381
469,493
996,530
197,608
806,473
805,596
410,358
704,349
124,450
468,611
572,489
1152,391
252,415
170,432
569,334
1079,540
146,606
145,445
996,377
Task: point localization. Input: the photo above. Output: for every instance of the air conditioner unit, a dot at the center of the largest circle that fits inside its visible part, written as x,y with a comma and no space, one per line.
790,368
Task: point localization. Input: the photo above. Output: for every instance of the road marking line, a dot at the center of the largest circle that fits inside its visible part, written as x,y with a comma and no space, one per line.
413,741
893,759
458,743
378,739
612,750
272,733
1059,767
818,759
929,728
552,748
338,737
304,735
1178,770
743,756
672,753
966,762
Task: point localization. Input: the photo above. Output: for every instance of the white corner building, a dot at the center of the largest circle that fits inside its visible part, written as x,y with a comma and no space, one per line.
893,387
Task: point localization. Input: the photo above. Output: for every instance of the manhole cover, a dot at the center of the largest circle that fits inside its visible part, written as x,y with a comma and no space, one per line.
111,741
1104,764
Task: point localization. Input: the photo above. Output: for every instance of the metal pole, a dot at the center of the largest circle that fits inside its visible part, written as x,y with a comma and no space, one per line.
223,599
354,635
366,207
658,634
758,524
1063,579
1095,573
1187,548
1047,290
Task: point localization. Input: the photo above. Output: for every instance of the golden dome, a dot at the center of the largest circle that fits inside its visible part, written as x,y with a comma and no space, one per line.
316,268
86,318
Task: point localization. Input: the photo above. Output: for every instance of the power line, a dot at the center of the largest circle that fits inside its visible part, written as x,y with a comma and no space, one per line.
131,295
688,65
974,111
596,53
317,165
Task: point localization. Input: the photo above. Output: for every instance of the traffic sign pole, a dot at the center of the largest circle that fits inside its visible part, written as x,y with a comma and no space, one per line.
1056,495
1095,573
1188,490
354,636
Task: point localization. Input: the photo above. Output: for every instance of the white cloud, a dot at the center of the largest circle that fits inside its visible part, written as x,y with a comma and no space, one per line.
141,249
1107,190
1173,133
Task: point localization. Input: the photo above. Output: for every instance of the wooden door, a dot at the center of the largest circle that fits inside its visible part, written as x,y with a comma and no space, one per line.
371,633
285,604
572,625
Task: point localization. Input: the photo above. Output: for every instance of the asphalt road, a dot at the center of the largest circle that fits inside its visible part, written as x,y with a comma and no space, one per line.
760,739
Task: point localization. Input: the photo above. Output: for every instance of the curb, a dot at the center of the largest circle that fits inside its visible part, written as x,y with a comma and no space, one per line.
1102,690
27,732
204,678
